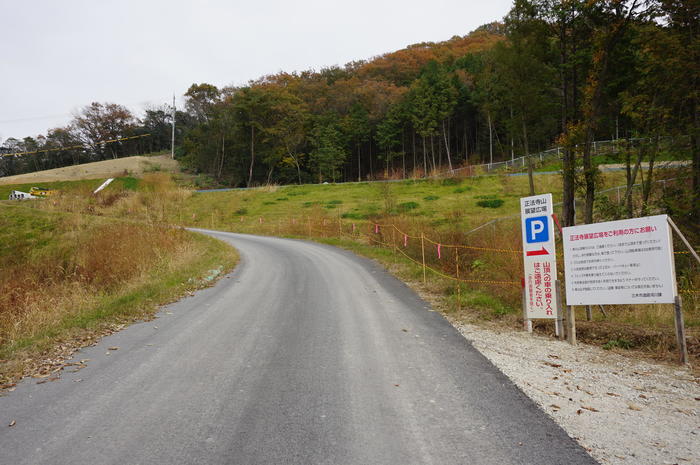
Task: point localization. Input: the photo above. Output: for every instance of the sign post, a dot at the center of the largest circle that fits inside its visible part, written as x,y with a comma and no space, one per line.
539,256
623,262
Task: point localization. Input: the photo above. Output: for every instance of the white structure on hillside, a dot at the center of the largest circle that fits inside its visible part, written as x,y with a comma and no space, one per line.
19,195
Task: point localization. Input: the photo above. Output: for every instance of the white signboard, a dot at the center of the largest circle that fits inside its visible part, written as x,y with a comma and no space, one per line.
620,262
539,256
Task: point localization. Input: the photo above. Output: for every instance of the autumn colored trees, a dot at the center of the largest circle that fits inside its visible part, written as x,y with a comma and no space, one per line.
90,126
552,73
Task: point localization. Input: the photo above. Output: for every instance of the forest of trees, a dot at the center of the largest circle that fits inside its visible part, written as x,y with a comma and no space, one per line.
552,72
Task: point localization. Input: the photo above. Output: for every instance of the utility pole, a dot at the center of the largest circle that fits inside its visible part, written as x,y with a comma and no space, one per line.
172,140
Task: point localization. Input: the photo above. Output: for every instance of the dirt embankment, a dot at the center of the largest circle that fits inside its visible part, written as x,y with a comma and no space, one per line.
99,169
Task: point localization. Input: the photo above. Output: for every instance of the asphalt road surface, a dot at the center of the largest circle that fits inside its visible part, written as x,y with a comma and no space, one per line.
305,354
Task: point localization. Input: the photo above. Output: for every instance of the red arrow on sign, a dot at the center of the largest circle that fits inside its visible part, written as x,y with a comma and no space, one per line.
532,253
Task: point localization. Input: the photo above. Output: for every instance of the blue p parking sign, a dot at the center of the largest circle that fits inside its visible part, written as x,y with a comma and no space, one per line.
539,257
537,229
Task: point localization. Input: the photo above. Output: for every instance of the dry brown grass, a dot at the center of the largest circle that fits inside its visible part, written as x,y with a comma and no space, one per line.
73,266
158,194
91,261
97,170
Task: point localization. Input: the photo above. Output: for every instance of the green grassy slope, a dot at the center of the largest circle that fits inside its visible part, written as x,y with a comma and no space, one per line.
436,202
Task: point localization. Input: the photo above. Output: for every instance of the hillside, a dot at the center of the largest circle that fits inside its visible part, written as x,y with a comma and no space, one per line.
100,169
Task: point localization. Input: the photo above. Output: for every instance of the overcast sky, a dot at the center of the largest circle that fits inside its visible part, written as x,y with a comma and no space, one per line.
56,57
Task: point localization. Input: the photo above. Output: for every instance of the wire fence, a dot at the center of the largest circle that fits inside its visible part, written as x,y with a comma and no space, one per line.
476,257
600,147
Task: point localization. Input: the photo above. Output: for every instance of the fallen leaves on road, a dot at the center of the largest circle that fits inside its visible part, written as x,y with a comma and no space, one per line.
554,365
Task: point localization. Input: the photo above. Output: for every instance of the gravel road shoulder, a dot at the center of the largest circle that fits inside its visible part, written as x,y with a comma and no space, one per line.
621,409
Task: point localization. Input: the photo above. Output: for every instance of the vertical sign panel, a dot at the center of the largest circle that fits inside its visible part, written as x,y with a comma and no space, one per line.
539,256
620,262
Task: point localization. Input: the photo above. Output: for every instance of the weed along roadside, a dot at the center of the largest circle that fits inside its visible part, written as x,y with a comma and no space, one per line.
70,278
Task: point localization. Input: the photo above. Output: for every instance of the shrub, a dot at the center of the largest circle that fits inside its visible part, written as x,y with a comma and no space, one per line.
619,343
431,197
490,203
354,216
407,206
460,190
451,182
241,211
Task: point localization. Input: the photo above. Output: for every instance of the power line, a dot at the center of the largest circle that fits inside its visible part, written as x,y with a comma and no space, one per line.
73,147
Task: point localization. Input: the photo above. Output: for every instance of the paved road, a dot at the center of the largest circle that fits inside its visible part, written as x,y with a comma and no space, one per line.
306,355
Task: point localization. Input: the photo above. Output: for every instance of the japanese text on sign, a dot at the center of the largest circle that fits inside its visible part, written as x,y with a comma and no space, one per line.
540,266
619,262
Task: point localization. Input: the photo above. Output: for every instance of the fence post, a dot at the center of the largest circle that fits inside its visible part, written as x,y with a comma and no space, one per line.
571,324
422,250
559,322
459,285
680,330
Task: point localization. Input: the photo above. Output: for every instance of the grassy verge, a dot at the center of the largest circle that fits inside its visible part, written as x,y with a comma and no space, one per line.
67,279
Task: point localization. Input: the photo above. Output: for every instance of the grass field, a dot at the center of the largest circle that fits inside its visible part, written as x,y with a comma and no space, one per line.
444,204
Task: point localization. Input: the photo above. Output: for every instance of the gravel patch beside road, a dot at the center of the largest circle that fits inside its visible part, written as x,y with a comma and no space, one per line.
622,410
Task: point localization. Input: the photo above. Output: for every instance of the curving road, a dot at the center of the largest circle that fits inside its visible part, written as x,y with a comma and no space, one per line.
305,354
